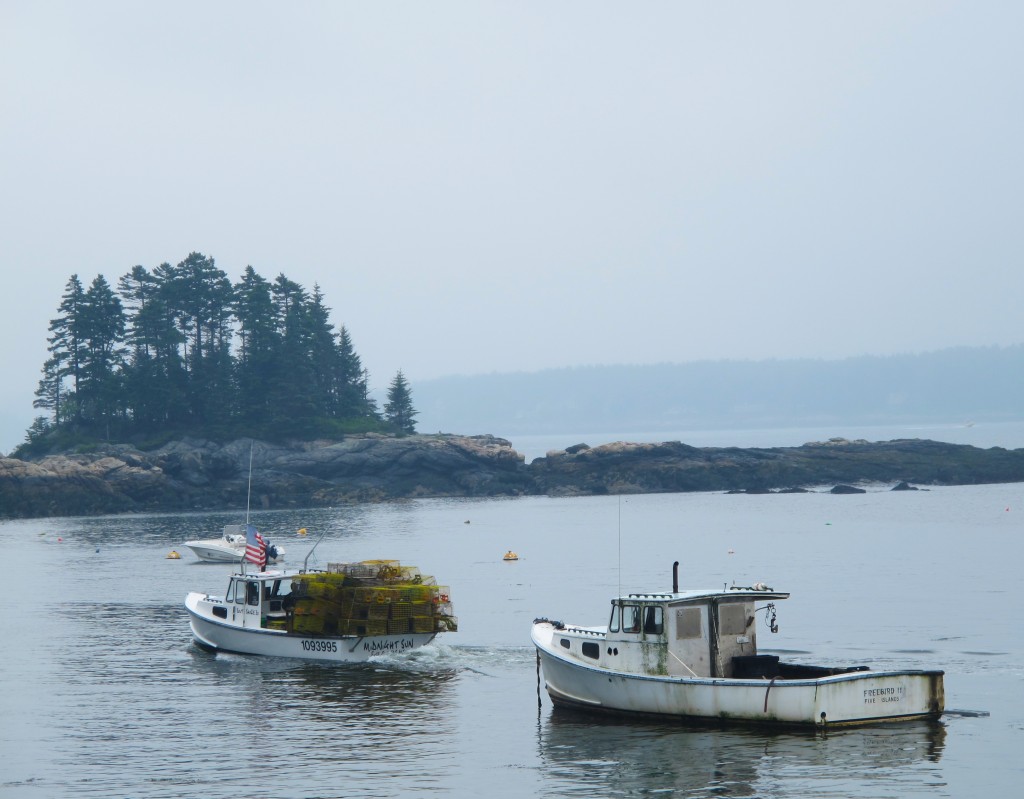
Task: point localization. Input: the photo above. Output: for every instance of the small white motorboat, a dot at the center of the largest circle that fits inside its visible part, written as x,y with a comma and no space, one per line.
230,547
348,613
693,655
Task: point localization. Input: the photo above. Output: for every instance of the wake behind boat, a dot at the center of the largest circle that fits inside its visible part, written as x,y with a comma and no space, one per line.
693,654
230,547
348,613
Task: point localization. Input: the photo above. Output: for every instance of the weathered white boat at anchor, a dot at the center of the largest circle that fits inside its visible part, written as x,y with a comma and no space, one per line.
693,655
347,613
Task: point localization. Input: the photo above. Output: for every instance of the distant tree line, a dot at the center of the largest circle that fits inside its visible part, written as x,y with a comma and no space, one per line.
180,350
956,386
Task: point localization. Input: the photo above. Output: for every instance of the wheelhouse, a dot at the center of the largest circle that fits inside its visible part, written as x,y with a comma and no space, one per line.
257,600
706,634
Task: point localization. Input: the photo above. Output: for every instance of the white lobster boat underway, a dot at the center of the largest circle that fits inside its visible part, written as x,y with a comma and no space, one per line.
348,613
693,654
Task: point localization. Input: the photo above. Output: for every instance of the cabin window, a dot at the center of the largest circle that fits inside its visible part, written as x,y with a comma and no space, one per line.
252,593
654,620
565,642
732,619
239,592
591,650
630,618
688,623
613,622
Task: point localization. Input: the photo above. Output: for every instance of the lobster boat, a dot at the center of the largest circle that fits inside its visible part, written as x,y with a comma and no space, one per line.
693,655
349,612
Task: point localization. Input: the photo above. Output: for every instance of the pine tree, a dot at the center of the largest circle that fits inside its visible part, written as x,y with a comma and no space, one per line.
101,328
354,400
398,410
153,368
259,343
48,394
65,346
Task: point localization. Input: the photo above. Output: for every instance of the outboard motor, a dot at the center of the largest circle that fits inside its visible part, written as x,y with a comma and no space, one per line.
271,551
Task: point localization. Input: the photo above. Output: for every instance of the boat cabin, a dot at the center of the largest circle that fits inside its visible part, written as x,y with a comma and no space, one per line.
708,634
261,599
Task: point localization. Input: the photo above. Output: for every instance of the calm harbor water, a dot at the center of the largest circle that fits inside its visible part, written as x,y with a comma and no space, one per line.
105,695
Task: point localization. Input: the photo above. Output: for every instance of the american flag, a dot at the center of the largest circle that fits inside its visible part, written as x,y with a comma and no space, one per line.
255,546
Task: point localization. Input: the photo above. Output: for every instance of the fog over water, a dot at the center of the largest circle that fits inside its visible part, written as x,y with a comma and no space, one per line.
478,187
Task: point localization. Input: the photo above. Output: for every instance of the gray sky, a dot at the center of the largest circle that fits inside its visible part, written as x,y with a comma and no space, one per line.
489,187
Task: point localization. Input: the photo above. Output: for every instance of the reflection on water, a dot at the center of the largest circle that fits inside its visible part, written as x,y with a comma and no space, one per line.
151,703
615,757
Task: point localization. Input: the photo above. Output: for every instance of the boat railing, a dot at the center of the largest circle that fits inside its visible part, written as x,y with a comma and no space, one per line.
584,631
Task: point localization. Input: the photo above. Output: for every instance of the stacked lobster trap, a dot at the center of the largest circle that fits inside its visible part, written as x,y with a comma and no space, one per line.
372,597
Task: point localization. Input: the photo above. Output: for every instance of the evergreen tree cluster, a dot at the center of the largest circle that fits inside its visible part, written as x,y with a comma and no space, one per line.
180,350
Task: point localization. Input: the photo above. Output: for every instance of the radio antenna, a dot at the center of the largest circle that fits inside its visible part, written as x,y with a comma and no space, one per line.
620,545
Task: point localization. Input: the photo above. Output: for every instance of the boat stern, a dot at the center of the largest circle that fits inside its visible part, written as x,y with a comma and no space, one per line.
872,697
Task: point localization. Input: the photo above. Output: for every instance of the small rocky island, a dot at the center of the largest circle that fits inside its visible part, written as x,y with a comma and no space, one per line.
202,475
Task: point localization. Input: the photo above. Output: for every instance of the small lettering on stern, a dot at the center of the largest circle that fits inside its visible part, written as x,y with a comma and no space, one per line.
894,693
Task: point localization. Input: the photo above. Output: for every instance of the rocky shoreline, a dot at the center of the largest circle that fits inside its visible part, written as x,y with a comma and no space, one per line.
201,475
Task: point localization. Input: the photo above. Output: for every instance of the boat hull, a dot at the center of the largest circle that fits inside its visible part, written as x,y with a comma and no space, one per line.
856,698
220,552
216,635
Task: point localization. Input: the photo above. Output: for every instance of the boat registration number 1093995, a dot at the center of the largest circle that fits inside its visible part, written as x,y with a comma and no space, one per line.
320,646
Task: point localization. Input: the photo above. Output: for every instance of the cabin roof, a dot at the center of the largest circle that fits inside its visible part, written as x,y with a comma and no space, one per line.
269,574
707,594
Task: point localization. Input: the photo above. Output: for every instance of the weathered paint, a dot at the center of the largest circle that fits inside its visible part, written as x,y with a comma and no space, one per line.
638,673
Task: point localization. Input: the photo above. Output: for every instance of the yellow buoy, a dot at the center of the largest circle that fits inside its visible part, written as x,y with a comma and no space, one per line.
173,555
302,531
510,555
